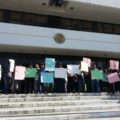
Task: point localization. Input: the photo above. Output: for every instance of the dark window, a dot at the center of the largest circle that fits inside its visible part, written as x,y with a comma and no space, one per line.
57,22
54,21
1,15
76,25
87,26
28,19
15,17
116,29
41,20
107,28
99,27
6,16
66,23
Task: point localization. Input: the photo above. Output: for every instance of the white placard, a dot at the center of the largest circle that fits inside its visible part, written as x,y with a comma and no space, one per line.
20,73
114,65
73,69
84,66
88,60
60,73
12,65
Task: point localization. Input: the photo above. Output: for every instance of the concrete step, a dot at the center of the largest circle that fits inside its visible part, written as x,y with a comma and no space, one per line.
87,115
49,98
54,95
55,103
108,118
56,109
59,106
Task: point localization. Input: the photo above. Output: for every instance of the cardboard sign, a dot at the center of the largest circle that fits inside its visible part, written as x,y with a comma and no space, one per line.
60,73
20,73
73,69
114,77
87,60
114,65
12,65
84,66
30,72
47,77
50,64
97,74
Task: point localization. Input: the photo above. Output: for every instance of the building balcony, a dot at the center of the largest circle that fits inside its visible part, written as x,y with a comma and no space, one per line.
40,40
96,10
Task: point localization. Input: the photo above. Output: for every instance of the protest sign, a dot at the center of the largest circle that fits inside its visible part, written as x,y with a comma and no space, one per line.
114,65
87,60
50,64
73,69
114,77
60,73
12,65
97,74
20,73
30,72
47,77
84,66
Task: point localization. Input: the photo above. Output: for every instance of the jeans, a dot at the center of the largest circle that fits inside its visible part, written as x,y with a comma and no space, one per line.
95,86
82,84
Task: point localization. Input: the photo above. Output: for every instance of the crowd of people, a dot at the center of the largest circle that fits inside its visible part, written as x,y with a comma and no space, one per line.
75,83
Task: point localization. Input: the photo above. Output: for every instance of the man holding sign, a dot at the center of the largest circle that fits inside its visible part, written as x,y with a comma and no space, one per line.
96,76
60,77
72,70
30,75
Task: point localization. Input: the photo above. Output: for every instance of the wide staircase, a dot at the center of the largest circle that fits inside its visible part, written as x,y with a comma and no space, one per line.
88,106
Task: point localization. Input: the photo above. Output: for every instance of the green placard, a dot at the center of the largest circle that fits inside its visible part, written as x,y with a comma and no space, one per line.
30,72
97,74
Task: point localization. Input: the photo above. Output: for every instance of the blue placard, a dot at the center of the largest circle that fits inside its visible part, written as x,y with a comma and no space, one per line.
47,77
50,64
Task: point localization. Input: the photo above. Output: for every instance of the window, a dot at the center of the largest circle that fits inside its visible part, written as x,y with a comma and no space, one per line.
54,21
28,18
87,26
116,29
99,27
76,25
6,16
57,22
15,16
107,28
40,19
65,23
1,15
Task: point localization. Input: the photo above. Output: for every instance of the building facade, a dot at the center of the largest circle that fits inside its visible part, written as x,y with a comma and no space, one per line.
31,30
